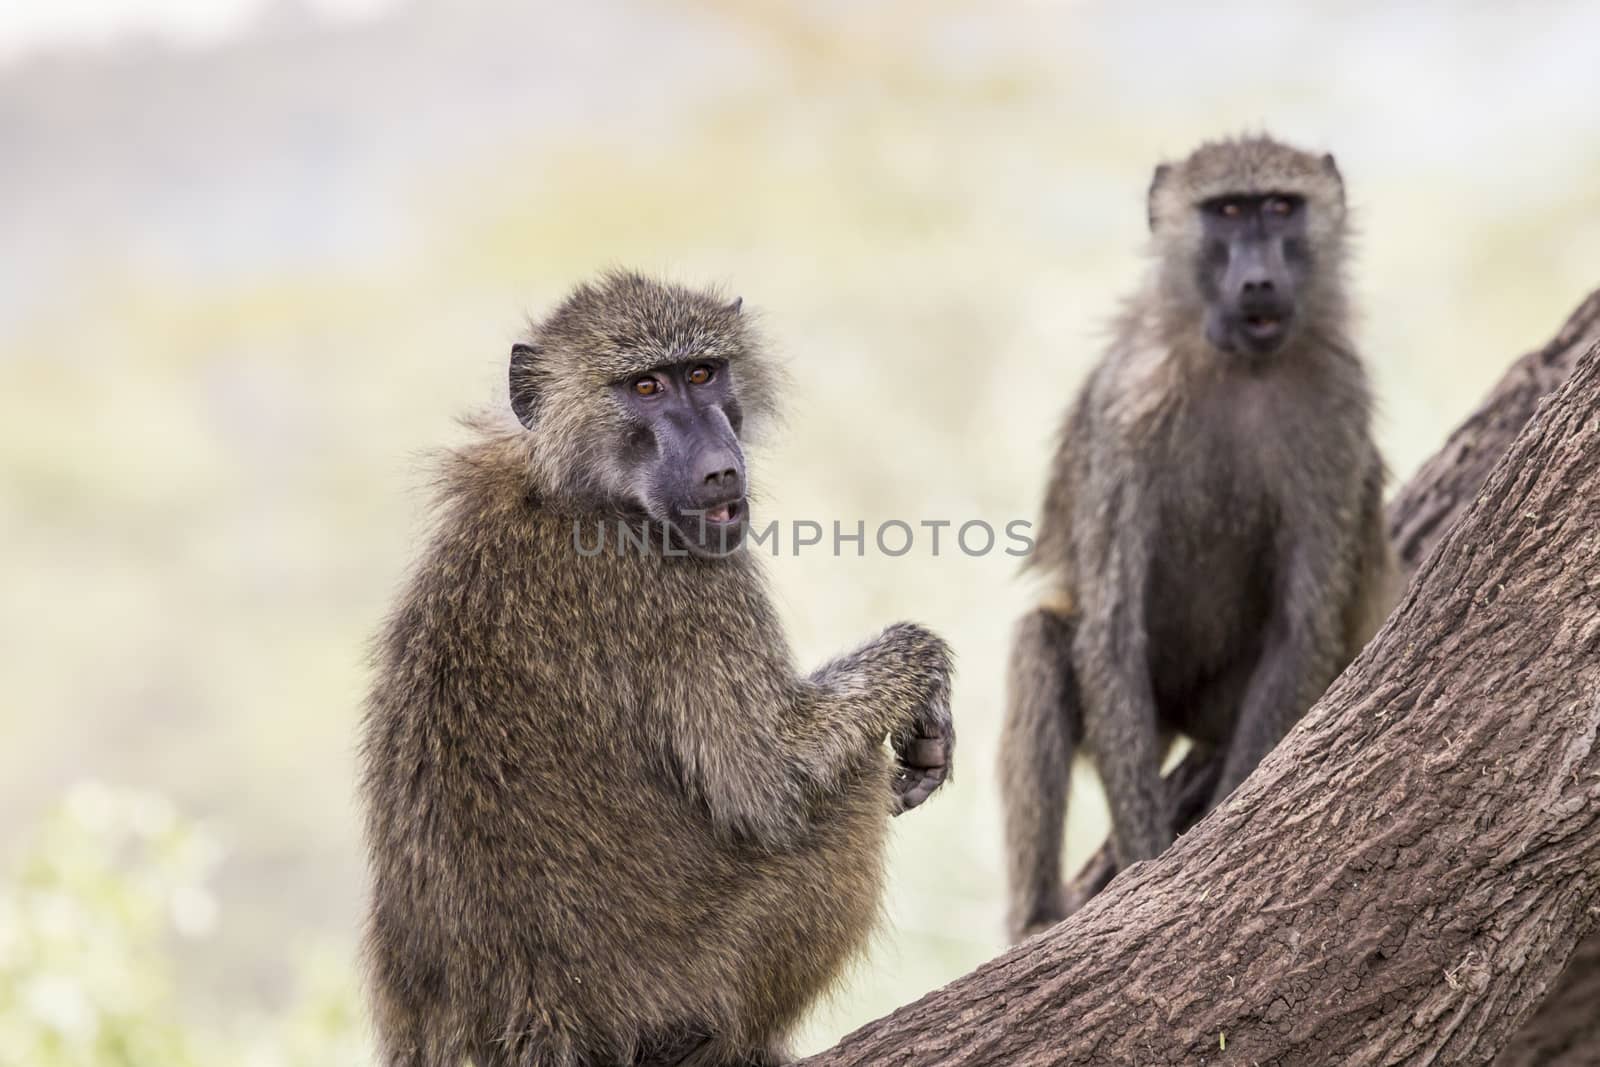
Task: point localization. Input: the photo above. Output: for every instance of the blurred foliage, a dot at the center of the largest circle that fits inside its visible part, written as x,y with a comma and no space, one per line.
87,977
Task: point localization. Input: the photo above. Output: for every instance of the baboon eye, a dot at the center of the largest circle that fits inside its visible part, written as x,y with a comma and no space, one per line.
647,386
1280,206
1230,209
701,374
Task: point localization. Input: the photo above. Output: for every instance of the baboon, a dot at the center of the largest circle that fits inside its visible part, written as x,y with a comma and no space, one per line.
608,822
1211,536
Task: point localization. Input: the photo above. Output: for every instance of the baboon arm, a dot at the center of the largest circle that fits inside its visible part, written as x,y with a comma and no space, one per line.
746,782
1122,733
895,686
1110,658
1042,725
1304,644
806,738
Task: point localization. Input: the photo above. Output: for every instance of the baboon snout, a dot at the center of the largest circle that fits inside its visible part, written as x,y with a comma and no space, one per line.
1263,299
1259,293
718,473
1264,294
712,514
1258,279
721,472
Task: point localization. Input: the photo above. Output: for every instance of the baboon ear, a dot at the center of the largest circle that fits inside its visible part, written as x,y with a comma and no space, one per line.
734,305
1163,171
1332,167
524,387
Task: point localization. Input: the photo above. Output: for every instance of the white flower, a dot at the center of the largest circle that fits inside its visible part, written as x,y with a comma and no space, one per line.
60,1003
194,910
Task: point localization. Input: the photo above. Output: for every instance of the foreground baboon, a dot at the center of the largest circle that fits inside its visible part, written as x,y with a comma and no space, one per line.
608,823
1212,531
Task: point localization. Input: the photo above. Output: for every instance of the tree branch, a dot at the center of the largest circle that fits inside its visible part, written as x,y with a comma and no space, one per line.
1406,875
1427,505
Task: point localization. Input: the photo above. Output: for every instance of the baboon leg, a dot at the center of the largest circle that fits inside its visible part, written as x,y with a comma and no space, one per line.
1043,724
409,1037
450,1057
514,1054
492,1055
524,1040
714,1052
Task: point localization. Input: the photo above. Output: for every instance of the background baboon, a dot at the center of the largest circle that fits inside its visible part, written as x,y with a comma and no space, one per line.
1212,530
608,823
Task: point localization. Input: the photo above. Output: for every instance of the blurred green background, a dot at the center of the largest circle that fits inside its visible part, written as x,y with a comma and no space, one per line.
255,257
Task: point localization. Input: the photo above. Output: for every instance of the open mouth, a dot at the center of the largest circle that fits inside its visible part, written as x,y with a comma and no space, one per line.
1262,325
714,530
725,514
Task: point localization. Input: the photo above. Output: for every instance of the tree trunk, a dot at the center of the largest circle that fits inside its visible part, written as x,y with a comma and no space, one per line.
1405,877
1565,1031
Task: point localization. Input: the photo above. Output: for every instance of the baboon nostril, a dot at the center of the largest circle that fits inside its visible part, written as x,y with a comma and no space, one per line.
719,468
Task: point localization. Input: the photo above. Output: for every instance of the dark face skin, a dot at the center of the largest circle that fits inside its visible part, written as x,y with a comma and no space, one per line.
1254,261
683,449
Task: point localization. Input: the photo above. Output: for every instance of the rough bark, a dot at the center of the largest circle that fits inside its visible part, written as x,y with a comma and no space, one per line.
1565,1031
1402,880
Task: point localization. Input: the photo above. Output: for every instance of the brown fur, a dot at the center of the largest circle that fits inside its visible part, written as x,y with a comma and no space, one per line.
608,822
1212,535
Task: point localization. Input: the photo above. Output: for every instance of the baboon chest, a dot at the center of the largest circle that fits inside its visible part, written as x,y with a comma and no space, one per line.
1210,579
1219,507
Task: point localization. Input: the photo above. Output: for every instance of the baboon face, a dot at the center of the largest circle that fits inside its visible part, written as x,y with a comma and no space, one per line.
639,395
681,458
1254,261
1249,237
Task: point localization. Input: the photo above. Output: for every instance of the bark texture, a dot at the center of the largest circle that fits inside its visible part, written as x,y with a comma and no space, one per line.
1404,879
1565,1031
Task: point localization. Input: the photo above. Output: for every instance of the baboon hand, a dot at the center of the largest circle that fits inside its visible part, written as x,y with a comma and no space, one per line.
923,758
913,668
924,762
